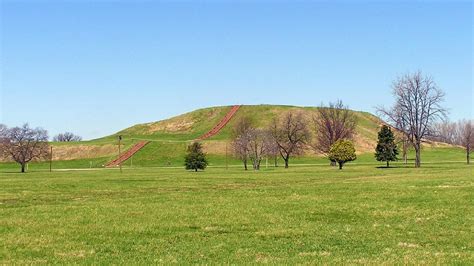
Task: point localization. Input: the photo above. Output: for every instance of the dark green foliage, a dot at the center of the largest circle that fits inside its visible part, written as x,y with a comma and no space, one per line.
342,151
195,158
386,149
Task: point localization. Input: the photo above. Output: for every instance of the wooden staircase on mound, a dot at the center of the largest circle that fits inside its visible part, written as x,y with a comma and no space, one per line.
135,148
221,124
127,154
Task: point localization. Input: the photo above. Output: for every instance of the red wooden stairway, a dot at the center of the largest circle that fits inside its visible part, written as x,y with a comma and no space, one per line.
127,154
221,124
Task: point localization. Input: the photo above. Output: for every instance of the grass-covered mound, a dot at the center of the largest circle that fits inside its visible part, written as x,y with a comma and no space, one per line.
169,137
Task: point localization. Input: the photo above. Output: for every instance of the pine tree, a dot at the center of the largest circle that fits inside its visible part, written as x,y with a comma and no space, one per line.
195,158
386,149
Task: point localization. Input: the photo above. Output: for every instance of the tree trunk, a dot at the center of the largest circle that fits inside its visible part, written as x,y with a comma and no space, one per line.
418,154
405,151
23,167
468,156
245,165
286,162
388,164
340,165
195,169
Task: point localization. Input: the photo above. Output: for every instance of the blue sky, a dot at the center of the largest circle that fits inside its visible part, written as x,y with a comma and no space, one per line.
95,67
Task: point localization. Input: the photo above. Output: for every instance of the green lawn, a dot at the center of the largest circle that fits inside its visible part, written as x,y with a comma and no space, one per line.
305,214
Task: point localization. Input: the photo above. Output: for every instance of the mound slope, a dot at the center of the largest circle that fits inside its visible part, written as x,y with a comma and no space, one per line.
168,138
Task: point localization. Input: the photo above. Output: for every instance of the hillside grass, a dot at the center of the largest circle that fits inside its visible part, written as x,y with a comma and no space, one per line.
203,120
302,215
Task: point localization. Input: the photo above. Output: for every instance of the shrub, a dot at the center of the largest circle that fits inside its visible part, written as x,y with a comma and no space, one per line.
342,151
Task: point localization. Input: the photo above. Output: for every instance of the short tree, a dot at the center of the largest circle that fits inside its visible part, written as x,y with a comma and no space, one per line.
25,144
342,151
386,149
290,135
66,137
195,158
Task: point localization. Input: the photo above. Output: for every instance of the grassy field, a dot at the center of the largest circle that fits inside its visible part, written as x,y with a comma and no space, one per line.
317,214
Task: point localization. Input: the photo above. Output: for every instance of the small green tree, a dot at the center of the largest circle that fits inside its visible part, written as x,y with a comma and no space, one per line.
342,151
386,149
195,158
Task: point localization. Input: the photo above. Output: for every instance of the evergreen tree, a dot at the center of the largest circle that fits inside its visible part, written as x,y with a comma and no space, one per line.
386,149
341,152
195,158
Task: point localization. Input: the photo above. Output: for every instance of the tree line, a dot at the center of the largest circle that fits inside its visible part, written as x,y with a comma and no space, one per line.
417,115
291,134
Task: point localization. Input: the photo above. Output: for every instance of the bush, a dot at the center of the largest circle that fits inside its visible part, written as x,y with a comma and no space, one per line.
342,151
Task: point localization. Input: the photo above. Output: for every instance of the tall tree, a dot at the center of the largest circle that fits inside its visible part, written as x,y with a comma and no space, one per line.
66,137
342,151
331,124
386,149
195,158
465,137
290,134
417,108
25,144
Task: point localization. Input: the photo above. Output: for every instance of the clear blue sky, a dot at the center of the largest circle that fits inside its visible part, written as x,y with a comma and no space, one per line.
95,67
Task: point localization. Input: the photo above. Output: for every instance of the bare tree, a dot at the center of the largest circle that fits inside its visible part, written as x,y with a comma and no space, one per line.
402,136
403,141
290,134
465,136
444,131
241,139
3,130
66,137
331,124
3,139
259,146
273,151
417,108
24,144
